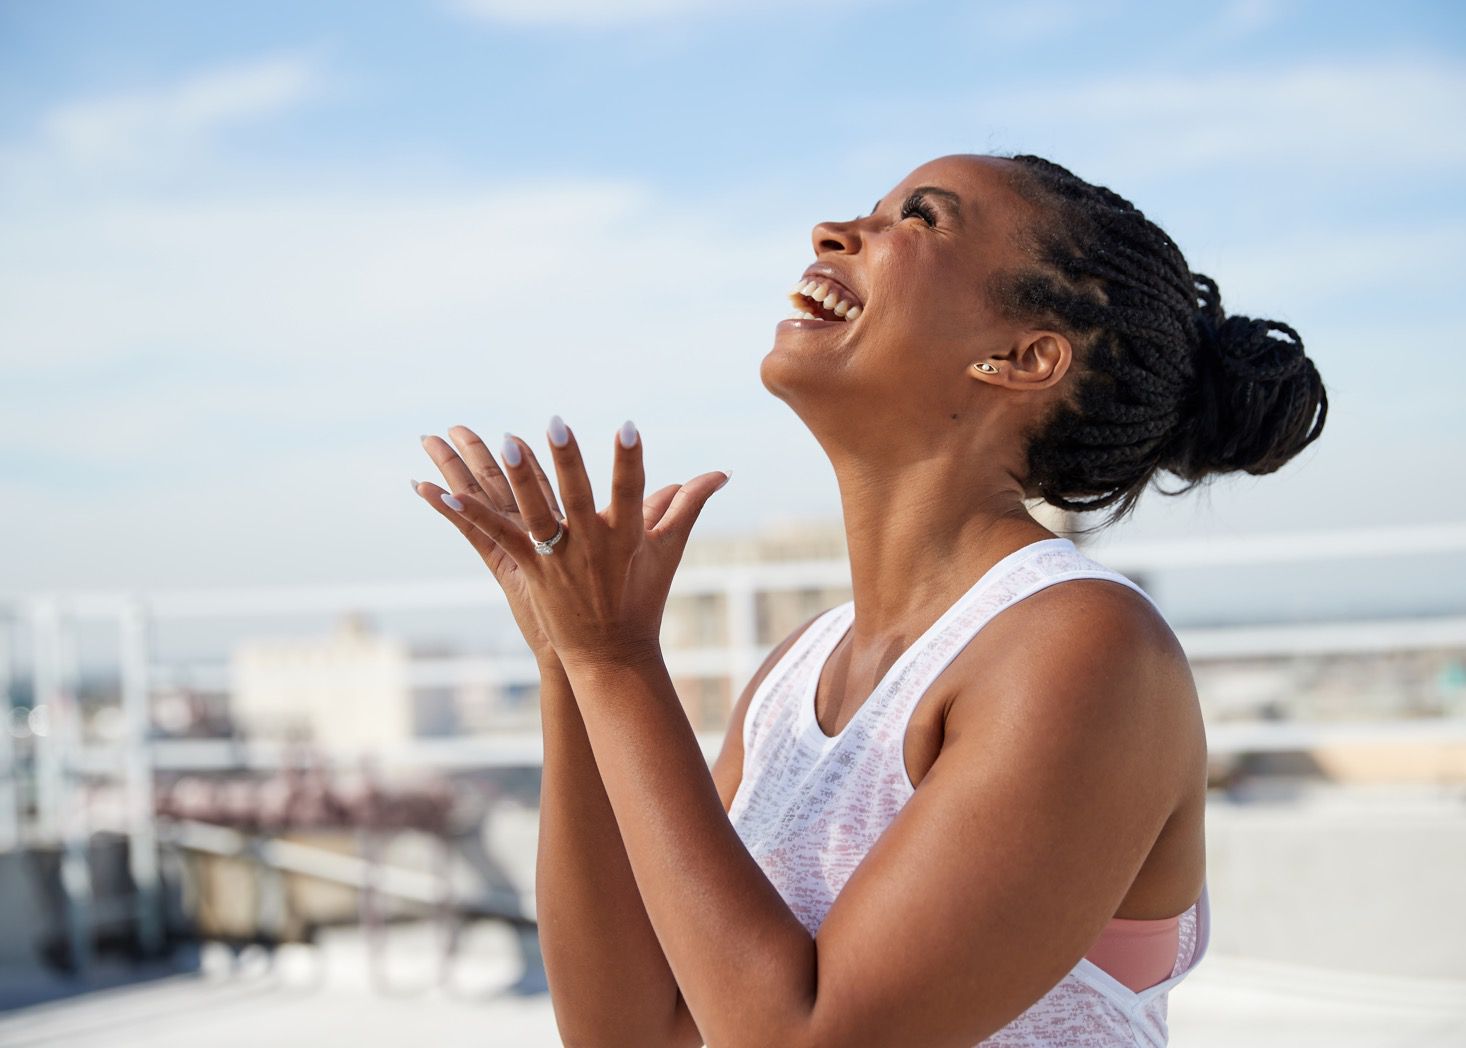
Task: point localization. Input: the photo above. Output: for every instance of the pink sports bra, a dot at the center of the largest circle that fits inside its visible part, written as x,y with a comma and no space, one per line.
1138,953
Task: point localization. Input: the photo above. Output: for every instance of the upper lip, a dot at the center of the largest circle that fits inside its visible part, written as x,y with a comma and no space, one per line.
828,274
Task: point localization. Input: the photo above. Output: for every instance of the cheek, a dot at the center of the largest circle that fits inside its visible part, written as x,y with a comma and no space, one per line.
925,300
940,311
909,288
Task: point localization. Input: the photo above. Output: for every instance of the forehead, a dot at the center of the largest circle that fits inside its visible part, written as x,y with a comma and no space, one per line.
969,167
983,182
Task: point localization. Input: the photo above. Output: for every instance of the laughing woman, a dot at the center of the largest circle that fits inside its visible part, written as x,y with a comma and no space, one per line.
967,805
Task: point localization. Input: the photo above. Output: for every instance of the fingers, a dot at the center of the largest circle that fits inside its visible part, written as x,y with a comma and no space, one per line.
575,489
687,503
656,505
546,487
483,472
486,471
534,508
493,525
433,495
459,477
628,485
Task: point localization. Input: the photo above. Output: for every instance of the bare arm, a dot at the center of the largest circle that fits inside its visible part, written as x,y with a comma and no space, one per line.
727,774
609,978
610,981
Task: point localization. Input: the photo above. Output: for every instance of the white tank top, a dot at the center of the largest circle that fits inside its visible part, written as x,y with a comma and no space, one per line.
810,805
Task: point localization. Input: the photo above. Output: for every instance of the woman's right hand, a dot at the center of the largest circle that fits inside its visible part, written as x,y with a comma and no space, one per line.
477,474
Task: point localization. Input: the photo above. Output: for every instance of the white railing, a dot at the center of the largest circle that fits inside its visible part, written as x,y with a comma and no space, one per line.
51,622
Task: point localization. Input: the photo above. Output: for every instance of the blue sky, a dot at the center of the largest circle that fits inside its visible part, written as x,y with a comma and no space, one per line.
249,251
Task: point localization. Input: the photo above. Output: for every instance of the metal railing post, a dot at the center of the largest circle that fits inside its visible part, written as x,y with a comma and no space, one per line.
135,638
9,772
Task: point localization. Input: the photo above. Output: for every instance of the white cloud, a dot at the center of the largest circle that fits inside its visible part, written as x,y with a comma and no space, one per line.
1242,18
1035,21
199,374
292,341
601,14
158,128
316,313
580,12
267,278
195,370
1326,266
1335,116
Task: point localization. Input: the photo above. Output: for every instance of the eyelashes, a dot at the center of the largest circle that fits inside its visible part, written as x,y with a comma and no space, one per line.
916,204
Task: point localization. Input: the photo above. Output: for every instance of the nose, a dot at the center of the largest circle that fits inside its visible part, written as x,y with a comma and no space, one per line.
835,236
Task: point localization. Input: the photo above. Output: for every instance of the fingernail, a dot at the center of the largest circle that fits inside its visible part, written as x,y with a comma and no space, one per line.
414,487
727,476
628,434
511,450
559,435
423,437
451,502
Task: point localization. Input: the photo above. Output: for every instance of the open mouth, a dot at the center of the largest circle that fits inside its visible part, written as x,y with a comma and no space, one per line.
821,299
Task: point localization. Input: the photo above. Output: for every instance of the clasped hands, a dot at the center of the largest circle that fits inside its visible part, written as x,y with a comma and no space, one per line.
598,597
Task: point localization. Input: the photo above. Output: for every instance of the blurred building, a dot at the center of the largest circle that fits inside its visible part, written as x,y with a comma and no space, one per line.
349,688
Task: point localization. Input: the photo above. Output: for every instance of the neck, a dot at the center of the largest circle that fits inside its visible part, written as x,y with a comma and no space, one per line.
919,535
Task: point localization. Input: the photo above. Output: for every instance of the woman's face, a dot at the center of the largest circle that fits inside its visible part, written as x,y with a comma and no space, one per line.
914,271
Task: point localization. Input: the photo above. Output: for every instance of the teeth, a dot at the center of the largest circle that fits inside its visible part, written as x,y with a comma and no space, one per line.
827,296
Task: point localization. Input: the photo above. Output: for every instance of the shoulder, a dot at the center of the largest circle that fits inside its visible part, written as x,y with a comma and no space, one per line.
1074,621
727,769
1087,654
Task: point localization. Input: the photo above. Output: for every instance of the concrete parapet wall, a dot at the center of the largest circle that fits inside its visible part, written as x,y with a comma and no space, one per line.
1368,881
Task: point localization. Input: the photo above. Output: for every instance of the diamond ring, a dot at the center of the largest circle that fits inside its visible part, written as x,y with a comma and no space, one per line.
545,548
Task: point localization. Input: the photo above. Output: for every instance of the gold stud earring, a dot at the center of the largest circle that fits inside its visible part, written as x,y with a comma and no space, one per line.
985,366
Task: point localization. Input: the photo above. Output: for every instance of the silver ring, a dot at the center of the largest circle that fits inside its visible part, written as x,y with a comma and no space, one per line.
546,547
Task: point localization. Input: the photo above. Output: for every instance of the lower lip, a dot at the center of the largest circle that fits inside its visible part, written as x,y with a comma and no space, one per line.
806,322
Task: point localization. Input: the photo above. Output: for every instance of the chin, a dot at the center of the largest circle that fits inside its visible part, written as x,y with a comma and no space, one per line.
801,373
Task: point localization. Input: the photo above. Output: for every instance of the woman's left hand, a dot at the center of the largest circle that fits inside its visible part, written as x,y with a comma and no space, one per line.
601,592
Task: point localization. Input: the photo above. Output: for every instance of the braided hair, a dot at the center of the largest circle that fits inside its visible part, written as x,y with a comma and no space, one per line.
1165,379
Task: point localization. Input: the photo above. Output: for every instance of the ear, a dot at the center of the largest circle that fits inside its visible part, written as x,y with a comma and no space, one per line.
1037,359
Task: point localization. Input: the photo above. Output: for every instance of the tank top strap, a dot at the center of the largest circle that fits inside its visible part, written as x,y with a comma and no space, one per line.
786,692
1021,574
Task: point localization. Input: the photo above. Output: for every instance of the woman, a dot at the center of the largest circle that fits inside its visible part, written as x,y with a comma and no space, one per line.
916,834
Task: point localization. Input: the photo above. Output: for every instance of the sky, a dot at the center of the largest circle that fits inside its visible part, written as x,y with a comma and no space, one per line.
249,252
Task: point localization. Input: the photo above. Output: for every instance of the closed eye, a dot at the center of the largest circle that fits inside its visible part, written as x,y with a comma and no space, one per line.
916,204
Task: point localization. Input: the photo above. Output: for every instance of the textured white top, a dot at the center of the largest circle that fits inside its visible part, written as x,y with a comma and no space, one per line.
810,805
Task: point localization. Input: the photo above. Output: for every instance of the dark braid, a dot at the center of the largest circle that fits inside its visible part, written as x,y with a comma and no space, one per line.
1163,378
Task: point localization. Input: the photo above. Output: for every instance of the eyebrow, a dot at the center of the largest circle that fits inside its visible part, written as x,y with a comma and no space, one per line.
952,199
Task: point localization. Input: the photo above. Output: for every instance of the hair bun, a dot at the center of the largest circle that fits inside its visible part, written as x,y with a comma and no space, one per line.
1254,395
